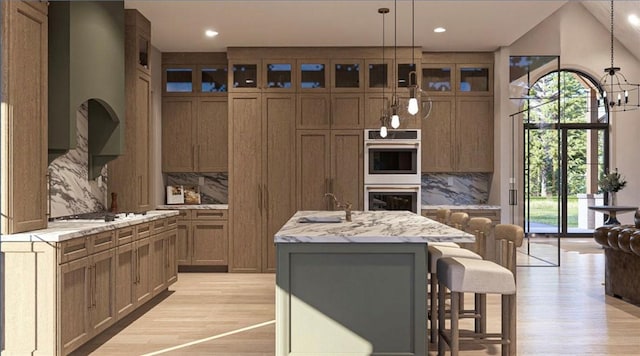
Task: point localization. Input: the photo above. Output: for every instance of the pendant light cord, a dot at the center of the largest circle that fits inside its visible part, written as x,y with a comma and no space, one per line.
611,33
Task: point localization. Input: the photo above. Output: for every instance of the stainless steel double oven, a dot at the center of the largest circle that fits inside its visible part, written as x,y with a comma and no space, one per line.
392,170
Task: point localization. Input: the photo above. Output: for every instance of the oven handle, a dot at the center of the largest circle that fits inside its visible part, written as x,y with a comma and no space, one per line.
391,144
387,187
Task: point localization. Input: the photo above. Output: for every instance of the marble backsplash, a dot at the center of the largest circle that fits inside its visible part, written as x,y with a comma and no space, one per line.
455,188
70,190
213,190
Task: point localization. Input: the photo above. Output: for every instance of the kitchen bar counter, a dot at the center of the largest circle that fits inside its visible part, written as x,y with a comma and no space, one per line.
58,231
462,207
355,288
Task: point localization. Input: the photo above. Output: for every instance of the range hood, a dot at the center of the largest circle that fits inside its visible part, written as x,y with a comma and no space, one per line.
86,63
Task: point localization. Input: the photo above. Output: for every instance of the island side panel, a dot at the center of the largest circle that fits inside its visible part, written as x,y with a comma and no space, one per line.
29,296
355,299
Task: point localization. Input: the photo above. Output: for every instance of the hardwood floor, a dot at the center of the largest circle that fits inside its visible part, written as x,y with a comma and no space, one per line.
561,311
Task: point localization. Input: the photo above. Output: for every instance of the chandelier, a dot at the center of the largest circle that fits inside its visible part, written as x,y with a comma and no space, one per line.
413,106
616,87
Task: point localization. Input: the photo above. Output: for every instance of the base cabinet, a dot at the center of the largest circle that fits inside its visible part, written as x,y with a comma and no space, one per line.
202,238
64,294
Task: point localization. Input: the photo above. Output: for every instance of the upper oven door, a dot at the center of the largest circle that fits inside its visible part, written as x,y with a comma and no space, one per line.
392,162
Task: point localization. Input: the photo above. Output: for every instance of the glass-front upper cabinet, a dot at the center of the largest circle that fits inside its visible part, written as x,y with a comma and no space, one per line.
278,75
379,75
244,76
438,79
143,53
314,75
213,79
347,75
178,79
407,73
474,79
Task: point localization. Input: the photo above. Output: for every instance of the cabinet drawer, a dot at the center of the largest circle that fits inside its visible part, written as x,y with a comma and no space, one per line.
184,214
158,226
172,222
206,214
104,241
75,248
143,230
125,235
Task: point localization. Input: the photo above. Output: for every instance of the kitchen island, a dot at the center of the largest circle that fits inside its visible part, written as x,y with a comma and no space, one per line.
356,288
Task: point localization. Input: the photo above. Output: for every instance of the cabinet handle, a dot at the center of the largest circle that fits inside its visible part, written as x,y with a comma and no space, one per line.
138,266
90,290
95,284
193,152
266,200
260,198
134,266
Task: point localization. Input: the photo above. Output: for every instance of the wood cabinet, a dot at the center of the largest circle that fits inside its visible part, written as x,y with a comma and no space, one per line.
202,238
194,134
24,133
458,134
262,186
329,161
65,293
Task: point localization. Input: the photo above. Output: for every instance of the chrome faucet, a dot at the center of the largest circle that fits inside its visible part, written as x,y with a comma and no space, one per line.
346,206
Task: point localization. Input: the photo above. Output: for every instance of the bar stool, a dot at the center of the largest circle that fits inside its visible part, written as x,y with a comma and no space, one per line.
434,254
459,220
442,215
481,228
508,238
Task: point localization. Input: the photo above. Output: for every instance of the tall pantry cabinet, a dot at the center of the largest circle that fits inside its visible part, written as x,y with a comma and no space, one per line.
129,174
24,116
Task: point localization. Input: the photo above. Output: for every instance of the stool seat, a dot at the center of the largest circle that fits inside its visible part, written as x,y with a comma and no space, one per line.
436,252
475,276
445,244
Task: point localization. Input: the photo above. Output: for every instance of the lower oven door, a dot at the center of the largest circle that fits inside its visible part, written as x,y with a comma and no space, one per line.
393,197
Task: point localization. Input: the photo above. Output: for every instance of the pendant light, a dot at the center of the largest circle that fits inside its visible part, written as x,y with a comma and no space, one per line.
384,118
615,86
395,118
414,89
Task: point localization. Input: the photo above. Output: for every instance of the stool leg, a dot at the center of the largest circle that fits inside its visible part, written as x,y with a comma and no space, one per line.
481,309
434,308
508,325
441,322
455,331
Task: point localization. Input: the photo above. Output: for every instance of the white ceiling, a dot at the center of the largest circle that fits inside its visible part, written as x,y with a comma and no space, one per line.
472,25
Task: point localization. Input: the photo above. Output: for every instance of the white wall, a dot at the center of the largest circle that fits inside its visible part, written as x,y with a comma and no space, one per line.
582,43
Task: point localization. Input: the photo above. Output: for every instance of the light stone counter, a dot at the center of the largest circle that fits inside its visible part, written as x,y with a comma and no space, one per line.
194,206
462,207
58,231
369,227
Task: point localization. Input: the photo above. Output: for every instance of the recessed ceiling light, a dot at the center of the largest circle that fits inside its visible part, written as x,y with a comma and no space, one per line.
211,33
634,20
439,29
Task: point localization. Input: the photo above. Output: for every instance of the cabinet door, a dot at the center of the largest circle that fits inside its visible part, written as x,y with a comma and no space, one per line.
374,103
313,111
280,202
279,75
158,263
211,133
75,304
347,75
143,142
313,166
143,270
378,75
126,279
347,167
474,131
177,144
347,111
437,136
178,79
474,79
182,244
313,75
24,119
244,76
246,186
210,243
171,271
103,280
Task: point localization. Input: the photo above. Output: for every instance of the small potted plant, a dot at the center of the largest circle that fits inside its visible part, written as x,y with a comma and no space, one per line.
611,183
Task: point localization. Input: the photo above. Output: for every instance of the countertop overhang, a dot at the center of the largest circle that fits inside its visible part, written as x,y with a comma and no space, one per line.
369,227
59,231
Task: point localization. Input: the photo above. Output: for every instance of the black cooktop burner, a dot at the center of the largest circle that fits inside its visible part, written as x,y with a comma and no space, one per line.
103,215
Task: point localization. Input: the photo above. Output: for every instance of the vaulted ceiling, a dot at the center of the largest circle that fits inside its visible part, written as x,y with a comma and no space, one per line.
471,25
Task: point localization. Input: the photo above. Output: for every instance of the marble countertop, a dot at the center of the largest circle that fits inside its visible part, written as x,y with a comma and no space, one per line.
58,231
369,227
466,207
194,206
